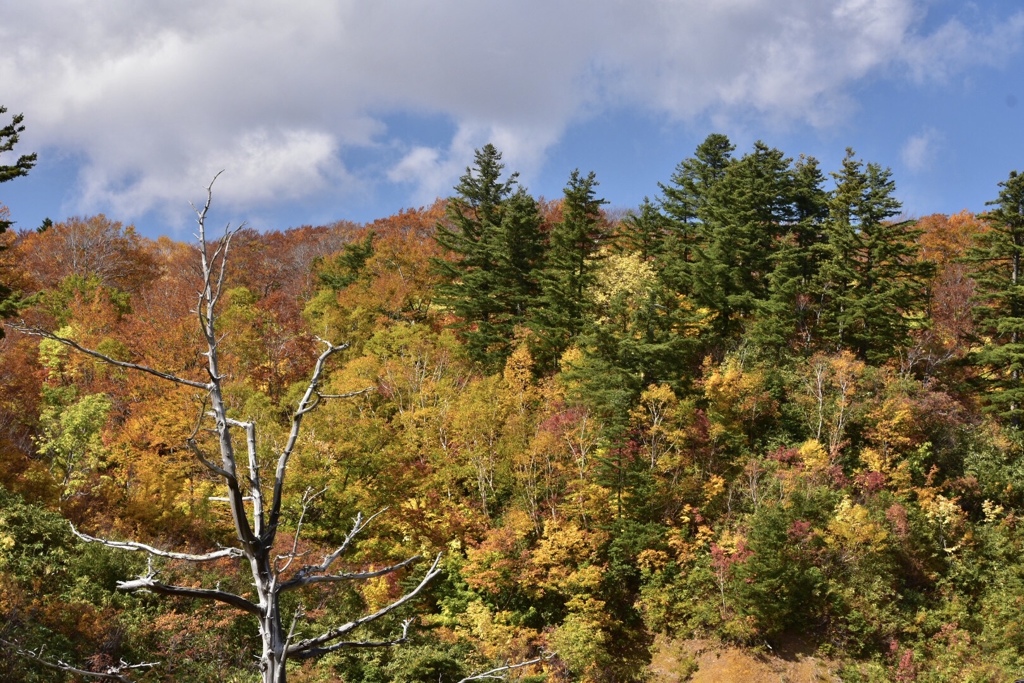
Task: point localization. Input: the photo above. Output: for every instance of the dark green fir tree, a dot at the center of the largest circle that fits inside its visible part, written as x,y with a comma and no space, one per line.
643,232
682,201
8,139
999,315
573,249
745,214
492,231
786,321
871,283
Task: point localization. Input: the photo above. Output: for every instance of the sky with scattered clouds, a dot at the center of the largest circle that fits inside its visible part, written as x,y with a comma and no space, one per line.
322,110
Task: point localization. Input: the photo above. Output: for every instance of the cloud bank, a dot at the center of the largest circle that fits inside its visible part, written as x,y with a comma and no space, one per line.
156,97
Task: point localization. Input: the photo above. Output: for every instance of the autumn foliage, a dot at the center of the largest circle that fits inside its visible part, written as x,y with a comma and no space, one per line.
649,454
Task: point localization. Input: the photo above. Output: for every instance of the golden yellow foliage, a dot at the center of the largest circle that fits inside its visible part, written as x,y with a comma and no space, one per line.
813,454
854,532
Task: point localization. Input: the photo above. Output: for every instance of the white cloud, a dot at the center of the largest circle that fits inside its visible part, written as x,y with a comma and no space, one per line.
920,149
259,167
953,47
154,95
433,171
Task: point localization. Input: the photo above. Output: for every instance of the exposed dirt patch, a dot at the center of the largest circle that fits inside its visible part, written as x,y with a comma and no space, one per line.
704,661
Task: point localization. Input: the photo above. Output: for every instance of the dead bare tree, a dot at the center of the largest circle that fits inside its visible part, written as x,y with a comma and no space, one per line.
256,508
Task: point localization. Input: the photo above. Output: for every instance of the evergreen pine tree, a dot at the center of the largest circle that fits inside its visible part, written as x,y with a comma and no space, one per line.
644,232
744,215
871,281
569,269
493,229
9,138
787,318
520,256
682,201
346,267
1000,289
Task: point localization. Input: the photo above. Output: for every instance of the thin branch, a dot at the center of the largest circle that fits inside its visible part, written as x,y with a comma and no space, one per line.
45,334
350,394
312,647
307,403
357,526
299,613
112,673
301,581
209,464
307,498
223,244
255,485
499,672
156,552
345,644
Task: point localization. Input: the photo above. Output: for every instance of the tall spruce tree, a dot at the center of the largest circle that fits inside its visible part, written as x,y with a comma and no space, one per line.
744,215
786,320
8,139
643,232
871,283
492,229
520,256
999,259
569,269
682,201
24,163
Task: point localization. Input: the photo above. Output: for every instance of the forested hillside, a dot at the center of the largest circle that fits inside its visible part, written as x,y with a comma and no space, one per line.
764,405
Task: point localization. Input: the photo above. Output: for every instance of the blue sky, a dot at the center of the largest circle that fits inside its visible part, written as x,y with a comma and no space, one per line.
324,110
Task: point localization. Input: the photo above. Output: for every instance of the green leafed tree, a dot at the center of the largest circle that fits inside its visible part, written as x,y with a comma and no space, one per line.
745,214
8,139
644,232
1000,293
346,266
71,440
788,317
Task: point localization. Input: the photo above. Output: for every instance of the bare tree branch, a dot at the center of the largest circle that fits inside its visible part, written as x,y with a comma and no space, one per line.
305,580
193,445
317,652
358,525
307,498
255,486
349,394
209,464
112,673
307,403
45,334
147,583
156,552
500,672
319,644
